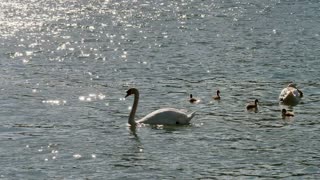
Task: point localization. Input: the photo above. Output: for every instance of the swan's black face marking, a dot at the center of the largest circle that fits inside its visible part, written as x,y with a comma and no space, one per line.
129,92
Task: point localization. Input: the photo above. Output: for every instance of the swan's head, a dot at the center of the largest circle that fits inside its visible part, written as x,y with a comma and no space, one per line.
190,96
218,92
131,91
292,85
256,101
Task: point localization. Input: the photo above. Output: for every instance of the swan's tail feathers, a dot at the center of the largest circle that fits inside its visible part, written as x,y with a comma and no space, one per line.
191,115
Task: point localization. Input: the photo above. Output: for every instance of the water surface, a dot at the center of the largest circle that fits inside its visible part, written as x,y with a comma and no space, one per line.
66,65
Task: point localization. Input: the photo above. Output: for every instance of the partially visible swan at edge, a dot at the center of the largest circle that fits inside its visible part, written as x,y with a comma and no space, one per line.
165,116
290,95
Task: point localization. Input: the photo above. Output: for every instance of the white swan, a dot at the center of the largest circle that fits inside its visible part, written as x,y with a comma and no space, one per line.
290,95
165,116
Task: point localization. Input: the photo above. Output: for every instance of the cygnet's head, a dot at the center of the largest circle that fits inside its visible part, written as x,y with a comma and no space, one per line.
284,111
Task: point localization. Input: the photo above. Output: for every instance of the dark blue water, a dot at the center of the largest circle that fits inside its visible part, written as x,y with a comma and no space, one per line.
66,66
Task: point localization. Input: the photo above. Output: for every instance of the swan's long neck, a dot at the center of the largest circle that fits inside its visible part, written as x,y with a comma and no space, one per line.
134,109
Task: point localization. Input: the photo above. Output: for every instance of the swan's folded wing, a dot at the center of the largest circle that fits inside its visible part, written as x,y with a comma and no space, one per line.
290,96
166,116
283,93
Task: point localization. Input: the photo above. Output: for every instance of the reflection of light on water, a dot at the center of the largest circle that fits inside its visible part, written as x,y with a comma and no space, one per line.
54,102
51,154
77,156
29,53
92,97
25,61
16,54
62,47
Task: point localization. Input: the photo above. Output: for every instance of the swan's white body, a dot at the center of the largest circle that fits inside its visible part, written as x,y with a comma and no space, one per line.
165,116
290,95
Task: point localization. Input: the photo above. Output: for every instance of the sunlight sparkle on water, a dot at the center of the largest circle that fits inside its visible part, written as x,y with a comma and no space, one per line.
25,61
77,156
54,102
274,31
29,53
54,151
92,96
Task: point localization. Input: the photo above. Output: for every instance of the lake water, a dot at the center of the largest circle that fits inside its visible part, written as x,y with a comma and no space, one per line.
66,66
